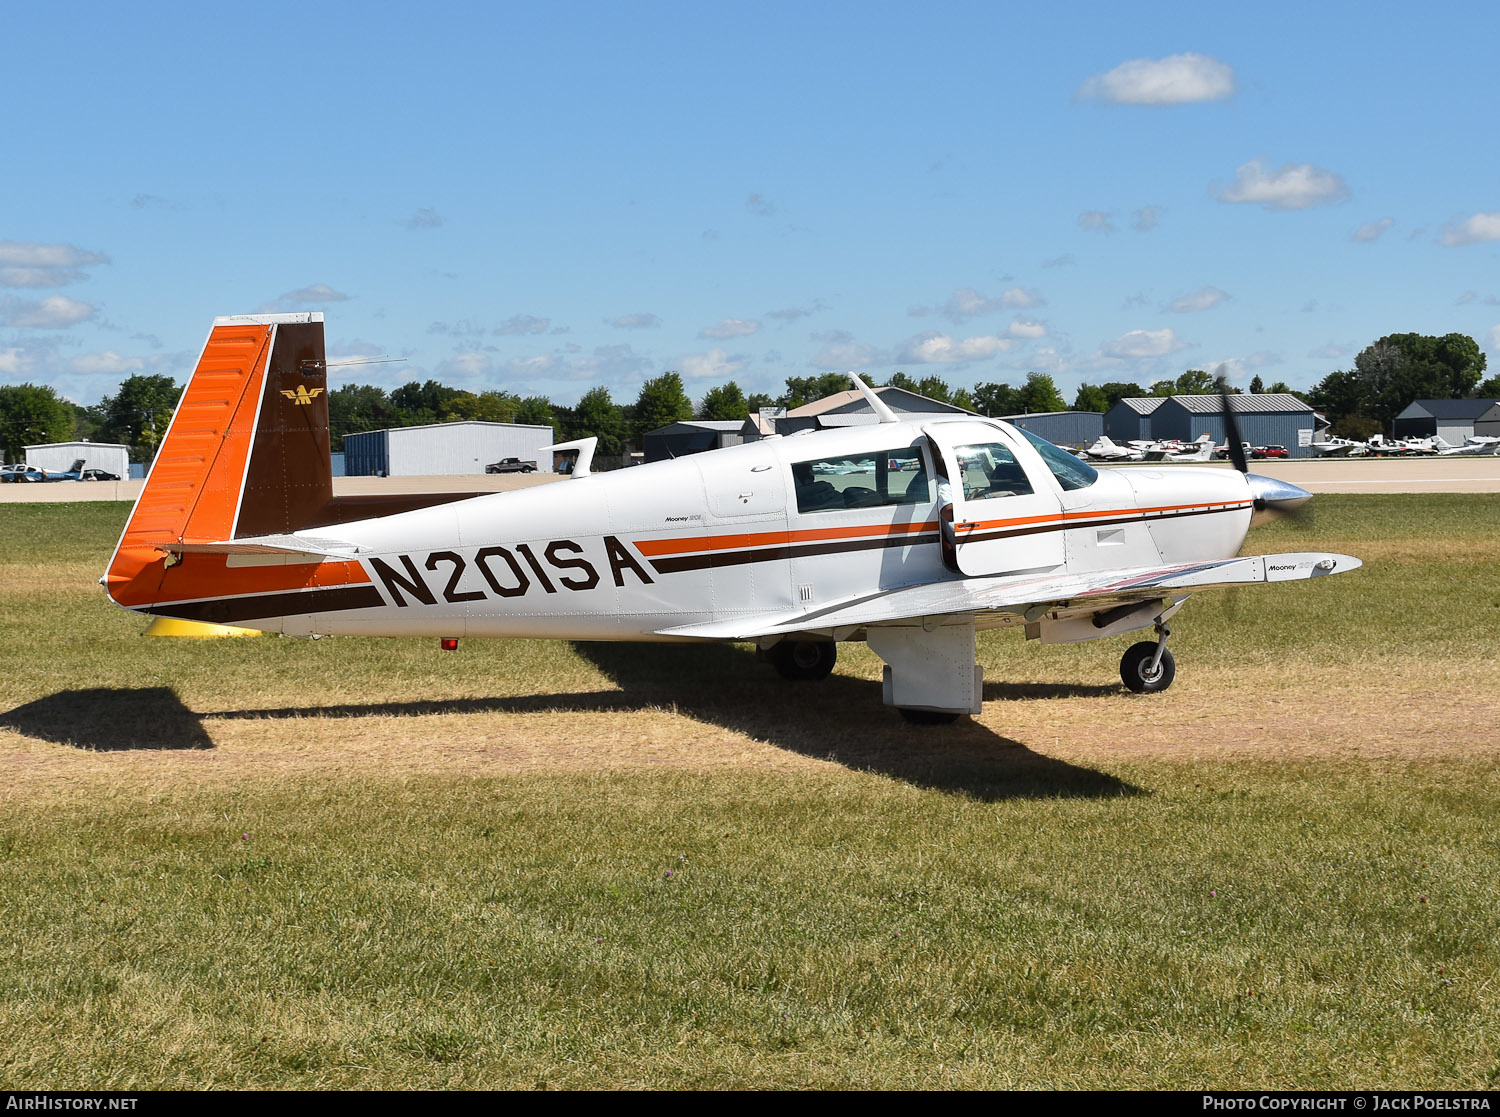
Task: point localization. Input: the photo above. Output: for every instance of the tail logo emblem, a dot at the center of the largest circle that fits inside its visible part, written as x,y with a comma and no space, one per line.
303,396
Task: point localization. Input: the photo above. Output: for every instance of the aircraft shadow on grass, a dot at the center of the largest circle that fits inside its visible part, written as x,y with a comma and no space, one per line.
111,719
839,719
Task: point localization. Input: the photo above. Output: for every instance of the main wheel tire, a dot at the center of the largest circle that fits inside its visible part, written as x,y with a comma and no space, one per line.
804,660
1135,668
926,717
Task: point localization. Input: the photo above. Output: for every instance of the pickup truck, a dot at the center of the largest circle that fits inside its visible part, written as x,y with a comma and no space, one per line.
510,465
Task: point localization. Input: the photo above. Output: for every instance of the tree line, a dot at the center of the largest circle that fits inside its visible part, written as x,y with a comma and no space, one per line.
1386,377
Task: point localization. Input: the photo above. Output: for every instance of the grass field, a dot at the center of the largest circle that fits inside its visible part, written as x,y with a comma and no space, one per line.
347,862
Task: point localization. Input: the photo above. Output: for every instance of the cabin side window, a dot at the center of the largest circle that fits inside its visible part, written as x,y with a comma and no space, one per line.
989,470
862,480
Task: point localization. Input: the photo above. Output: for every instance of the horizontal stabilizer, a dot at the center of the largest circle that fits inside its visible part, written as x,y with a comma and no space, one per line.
311,546
1080,593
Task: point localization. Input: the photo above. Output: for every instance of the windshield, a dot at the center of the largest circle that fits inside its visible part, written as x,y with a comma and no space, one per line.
1071,472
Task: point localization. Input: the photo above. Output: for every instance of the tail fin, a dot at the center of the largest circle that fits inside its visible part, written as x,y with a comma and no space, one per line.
246,457
246,453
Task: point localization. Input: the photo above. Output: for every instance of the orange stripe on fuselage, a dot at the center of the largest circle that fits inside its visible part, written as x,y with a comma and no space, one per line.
652,548
1069,517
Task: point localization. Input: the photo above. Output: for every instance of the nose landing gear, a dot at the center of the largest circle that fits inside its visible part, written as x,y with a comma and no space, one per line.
1148,668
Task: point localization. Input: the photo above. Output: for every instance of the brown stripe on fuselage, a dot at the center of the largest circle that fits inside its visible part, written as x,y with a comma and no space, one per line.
232,610
771,554
1066,525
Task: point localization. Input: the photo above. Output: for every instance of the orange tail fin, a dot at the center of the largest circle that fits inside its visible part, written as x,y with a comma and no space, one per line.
246,454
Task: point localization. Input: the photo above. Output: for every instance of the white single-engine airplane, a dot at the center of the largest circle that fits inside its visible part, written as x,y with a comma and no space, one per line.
910,534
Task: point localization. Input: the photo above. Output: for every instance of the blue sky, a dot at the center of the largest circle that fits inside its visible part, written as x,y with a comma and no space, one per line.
546,197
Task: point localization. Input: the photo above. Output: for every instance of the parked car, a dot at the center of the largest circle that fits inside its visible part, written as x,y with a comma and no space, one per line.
98,475
510,465
1261,452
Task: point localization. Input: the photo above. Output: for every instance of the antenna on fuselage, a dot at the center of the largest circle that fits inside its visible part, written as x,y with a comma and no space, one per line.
885,413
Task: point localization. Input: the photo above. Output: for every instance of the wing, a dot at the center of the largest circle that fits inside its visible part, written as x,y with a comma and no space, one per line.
1029,596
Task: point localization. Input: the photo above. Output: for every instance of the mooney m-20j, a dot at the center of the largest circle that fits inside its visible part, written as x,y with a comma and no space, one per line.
908,533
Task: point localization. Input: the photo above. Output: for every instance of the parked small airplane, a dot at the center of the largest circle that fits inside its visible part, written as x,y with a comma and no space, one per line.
1106,450
793,543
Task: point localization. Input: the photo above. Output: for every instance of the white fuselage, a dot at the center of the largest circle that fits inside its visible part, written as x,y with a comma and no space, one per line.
778,525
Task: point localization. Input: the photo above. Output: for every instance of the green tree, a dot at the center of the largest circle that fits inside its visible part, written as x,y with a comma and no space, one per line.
1090,398
416,404
1196,382
935,387
759,400
1282,388
30,415
996,399
726,402
962,398
905,383
809,389
1039,393
1116,390
1338,396
537,411
1163,388
662,401
486,407
1257,386
139,413
1488,389
353,408
598,416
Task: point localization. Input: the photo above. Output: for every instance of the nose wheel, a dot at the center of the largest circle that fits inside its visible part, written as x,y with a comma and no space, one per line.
1148,668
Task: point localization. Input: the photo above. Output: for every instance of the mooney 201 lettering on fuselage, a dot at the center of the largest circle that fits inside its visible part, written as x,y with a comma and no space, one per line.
909,533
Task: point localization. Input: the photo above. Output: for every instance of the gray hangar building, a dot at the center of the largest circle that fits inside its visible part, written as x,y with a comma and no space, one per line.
1453,419
444,449
1271,419
1062,428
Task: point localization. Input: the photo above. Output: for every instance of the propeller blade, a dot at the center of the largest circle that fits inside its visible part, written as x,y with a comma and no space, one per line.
1235,444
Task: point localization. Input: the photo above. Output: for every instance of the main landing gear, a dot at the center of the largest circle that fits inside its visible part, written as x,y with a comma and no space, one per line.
803,660
1148,668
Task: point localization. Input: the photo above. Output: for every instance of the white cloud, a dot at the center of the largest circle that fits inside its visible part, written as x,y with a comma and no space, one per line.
636,322
1472,230
523,324
21,254
303,297
969,303
1330,351
933,348
1096,221
106,362
465,366
1027,328
425,219
25,264
1145,219
1018,298
1205,298
1144,343
844,355
1059,261
759,205
16,361
715,363
56,312
731,327
40,277
1371,230
1178,79
792,313
1240,368
1291,186
1495,338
